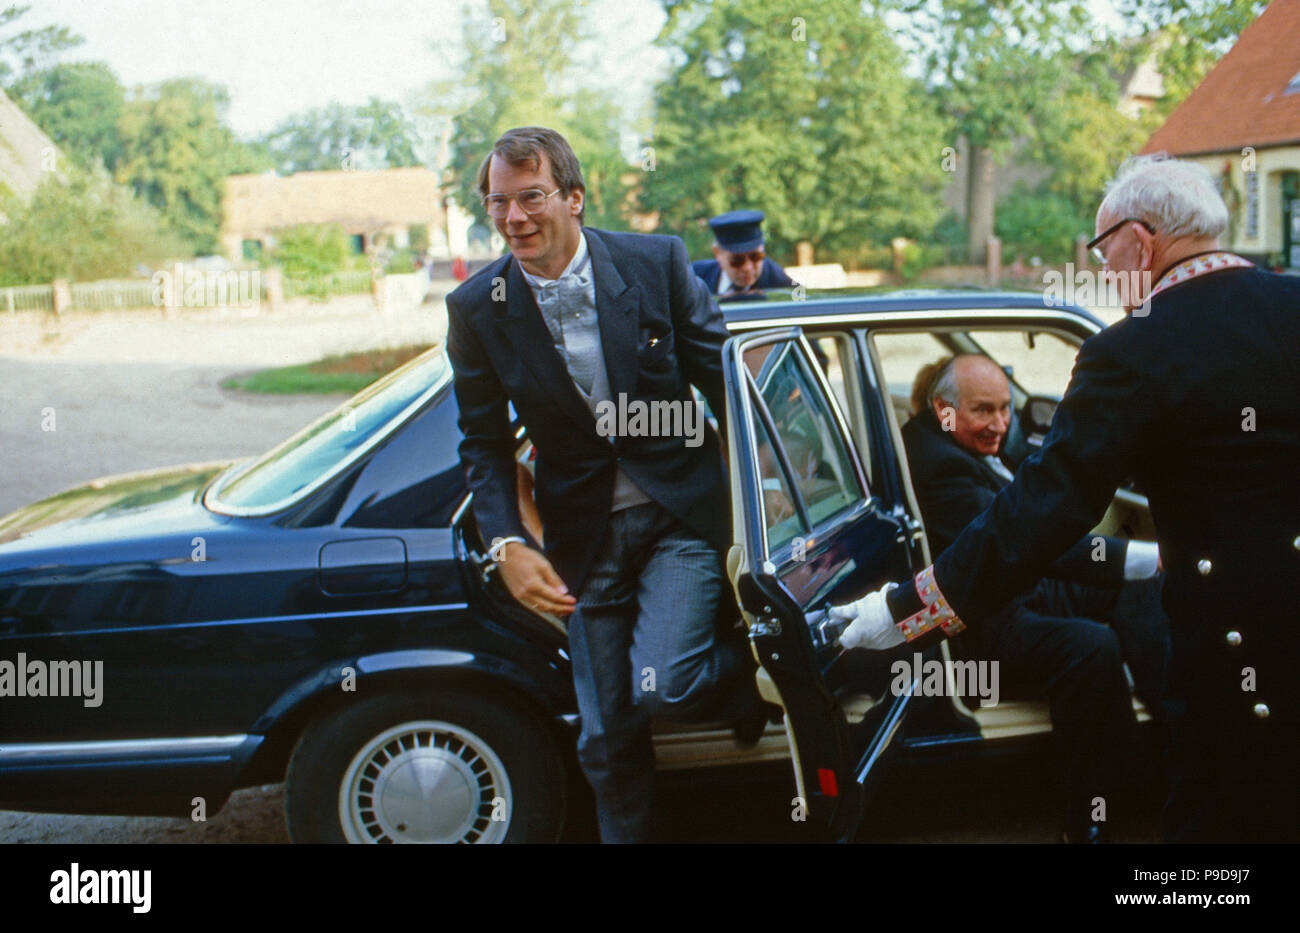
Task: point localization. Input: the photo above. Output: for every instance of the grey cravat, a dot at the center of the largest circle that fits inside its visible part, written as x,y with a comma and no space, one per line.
570,314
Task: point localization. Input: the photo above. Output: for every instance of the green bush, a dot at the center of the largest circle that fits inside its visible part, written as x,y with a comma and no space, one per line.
1039,224
400,262
82,228
310,251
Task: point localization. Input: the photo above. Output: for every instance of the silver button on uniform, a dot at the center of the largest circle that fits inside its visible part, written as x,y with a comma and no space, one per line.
1234,639
1296,543
1203,567
1261,710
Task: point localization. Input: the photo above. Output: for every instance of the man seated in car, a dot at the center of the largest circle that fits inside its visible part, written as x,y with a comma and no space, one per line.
1070,636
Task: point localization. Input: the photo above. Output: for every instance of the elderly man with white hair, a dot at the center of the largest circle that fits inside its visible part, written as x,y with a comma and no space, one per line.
1197,397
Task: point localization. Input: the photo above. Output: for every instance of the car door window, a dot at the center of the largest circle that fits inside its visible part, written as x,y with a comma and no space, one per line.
801,448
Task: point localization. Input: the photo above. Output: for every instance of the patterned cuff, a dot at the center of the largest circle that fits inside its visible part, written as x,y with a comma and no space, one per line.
934,612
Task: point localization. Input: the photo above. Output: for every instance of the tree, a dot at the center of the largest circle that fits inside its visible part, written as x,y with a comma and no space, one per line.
808,117
520,66
1190,36
81,227
31,49
999,69
377,135
176,153
78,106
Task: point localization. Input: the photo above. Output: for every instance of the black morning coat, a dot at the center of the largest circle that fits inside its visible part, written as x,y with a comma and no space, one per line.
1199,401
661,333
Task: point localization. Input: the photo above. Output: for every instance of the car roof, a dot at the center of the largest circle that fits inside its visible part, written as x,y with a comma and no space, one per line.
782,304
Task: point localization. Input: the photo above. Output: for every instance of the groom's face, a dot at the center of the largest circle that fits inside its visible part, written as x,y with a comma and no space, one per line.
543,242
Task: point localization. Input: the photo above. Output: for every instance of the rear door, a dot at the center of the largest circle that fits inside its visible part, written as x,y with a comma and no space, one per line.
808,534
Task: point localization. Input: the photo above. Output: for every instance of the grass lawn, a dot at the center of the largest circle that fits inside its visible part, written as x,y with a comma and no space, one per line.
350,372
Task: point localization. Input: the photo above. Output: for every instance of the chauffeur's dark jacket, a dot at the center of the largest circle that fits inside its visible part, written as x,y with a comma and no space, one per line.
1200,402
771,275
659,333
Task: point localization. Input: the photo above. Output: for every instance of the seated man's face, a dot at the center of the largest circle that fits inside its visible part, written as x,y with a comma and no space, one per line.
982,414
742,268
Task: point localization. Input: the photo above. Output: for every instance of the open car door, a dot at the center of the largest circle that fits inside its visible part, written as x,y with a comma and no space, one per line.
809,534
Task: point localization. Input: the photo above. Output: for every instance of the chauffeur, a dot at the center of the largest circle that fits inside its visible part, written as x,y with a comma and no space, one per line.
1196,394
740,269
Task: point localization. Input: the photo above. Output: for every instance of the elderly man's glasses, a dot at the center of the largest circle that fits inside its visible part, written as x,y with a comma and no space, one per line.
736,260
1095,243
530,200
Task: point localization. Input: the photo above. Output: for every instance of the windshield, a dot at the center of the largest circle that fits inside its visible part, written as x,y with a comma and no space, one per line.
312,455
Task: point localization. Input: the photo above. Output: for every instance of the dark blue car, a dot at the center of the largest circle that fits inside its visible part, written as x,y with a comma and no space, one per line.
325,614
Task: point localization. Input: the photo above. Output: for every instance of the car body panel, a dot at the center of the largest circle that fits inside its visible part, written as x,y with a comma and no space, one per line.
223,630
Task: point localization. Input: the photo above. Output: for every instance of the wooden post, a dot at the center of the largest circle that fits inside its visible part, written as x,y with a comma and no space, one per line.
993,264
803,253
274,288
896,247
62,296
1080,252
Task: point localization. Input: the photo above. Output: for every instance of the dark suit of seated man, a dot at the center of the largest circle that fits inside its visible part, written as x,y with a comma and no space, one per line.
1070,636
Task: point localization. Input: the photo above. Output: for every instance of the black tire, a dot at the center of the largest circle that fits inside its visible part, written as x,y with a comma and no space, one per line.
370,771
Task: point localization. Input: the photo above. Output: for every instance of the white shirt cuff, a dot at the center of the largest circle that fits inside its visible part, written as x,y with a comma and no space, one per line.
1141,560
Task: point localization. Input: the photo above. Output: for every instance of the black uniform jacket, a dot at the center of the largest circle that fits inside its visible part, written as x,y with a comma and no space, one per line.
771,275
1199,401
660,333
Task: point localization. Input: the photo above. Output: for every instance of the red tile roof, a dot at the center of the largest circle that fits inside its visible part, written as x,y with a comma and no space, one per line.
1242,101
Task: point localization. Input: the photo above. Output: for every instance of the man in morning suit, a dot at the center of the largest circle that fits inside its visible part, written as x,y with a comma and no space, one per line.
634,526
1069,636
739,269
1195,395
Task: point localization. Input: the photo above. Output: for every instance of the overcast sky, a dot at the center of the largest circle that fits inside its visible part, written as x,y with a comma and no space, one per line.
278,57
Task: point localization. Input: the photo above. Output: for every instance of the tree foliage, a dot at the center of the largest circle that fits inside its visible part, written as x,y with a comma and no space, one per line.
28,50
177,151
1188,36
78,106
378,134
81,227
803,112
521,64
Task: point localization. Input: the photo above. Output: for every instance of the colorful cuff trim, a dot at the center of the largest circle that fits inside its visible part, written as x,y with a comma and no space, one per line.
935,611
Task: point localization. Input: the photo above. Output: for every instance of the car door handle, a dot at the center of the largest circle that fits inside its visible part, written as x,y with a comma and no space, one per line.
825,631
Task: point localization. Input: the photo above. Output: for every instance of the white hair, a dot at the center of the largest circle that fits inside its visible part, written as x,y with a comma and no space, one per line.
1179,199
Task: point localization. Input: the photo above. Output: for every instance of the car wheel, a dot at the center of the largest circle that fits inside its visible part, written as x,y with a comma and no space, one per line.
447,768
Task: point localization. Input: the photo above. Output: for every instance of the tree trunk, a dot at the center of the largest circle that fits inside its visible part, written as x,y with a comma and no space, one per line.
981,203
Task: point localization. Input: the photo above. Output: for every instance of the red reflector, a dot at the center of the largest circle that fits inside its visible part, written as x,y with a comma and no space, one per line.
826,778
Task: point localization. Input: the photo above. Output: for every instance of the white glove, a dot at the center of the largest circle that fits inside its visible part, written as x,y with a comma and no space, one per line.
873,626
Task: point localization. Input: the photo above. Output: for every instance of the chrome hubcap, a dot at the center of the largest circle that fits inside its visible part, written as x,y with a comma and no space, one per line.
425,782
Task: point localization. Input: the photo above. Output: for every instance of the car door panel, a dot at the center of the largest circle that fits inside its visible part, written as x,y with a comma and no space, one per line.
840,712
